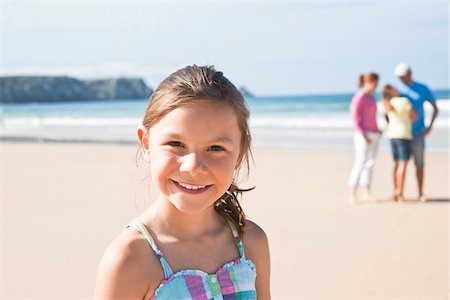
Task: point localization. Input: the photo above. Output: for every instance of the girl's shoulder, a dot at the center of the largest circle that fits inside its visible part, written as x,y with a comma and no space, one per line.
256,248
361,99
254,232
129,267
357,96
401,103
255,242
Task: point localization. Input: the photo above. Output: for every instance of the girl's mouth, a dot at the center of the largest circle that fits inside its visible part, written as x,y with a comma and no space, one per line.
190,188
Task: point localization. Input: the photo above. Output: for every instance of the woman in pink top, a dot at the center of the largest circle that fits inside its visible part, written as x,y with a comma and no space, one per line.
363,112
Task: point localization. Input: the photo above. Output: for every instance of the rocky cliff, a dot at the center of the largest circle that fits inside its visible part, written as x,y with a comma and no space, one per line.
22,89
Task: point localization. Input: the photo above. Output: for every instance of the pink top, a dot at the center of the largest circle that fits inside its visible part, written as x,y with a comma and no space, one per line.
363,110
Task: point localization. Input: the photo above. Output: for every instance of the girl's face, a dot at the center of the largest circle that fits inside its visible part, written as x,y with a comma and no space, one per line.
193,152
370,86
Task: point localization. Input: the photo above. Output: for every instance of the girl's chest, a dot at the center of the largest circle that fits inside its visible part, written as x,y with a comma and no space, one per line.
206,256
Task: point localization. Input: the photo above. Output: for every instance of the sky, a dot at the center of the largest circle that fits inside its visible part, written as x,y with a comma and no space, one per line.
271,48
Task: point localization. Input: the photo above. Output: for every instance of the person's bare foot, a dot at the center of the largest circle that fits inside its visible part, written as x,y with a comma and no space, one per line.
400,198
367,198
353,200
353,196
423,198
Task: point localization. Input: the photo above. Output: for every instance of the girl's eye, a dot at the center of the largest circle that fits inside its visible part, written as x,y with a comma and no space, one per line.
174,144
216,148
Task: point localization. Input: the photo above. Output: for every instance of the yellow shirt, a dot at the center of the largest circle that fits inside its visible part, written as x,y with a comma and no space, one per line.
400,124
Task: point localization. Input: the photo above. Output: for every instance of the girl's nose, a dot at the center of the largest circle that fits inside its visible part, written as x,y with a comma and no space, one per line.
193,164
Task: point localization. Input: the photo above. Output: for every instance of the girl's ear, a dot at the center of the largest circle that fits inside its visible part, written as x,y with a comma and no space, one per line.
143,141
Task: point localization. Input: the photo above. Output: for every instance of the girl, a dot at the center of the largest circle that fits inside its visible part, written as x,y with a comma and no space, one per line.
194,241
363,110
400,117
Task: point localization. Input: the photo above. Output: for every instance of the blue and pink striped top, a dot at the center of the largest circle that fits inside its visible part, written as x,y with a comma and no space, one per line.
234,280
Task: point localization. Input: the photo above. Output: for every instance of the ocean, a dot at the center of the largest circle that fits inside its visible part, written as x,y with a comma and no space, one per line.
305,122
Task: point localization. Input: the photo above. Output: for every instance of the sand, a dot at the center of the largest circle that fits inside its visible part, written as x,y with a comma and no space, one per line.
62,204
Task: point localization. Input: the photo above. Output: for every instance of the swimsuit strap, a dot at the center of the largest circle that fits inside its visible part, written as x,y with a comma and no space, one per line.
139,226
237,240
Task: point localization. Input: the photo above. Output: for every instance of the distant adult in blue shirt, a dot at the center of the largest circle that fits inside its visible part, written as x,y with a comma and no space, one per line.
418,94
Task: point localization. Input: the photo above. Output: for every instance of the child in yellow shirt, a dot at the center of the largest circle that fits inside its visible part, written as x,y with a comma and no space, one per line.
400,116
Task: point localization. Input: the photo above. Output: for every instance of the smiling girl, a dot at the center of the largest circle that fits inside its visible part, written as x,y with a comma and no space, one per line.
194,242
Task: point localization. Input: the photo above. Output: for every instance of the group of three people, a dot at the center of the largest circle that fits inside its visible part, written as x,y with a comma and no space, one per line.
404,111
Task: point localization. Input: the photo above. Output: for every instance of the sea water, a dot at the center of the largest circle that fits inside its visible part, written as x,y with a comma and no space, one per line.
318,121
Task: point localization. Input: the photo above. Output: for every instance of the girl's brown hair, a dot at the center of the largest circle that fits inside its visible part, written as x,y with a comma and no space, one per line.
387,92
367,77
188,86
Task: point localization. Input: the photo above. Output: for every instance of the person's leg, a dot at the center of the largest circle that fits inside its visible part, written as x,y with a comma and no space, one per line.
394,150
401,172
420,175
367,196
358,165
367,172
395,180
418,149
353,195
403,155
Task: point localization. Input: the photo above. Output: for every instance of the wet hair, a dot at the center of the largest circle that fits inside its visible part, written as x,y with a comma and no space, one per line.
188,86
367,77
388,92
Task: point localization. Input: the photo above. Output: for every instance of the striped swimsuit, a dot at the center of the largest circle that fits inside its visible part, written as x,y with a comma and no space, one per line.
234,280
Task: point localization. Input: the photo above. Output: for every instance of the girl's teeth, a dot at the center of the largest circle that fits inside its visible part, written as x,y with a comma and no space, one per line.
192,187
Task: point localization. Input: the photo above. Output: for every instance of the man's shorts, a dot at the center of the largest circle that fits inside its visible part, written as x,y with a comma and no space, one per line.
401,149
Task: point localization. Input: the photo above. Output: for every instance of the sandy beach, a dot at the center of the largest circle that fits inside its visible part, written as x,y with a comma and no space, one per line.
63,203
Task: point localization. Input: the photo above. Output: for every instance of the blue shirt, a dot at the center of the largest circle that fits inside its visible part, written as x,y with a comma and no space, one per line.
417,94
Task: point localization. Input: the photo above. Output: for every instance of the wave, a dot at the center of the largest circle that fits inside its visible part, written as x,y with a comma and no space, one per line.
320,121
303,122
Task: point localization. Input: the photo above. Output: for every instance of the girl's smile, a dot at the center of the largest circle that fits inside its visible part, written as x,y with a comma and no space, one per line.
191,188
